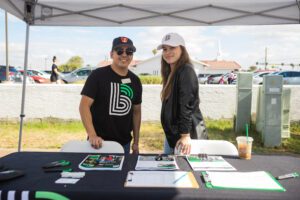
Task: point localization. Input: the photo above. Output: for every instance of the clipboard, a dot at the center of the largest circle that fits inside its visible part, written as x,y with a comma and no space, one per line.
258,180
161,179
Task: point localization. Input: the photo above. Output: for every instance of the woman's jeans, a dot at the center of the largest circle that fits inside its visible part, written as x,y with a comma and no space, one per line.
167,148
127,148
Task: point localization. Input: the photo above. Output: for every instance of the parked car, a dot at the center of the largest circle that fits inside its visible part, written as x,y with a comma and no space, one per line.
289,77
40,73
202,78
77,75
36,78
12,72
214,78
47,72
258,76
18,78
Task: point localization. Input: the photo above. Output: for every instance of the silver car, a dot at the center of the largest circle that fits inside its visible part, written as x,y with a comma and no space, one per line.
289,77
202,78
80,74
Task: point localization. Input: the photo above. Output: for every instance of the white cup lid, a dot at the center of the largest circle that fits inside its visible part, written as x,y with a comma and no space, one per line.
244,139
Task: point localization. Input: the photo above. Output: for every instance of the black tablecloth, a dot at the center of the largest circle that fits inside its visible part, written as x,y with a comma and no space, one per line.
110,184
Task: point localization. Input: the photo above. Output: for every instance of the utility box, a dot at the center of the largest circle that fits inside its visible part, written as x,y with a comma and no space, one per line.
244,99
272,110
286,101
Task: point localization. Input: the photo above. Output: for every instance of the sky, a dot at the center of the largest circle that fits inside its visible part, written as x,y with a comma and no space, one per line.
244,44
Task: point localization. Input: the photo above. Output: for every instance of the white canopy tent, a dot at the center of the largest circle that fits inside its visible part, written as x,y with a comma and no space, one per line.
153,12
147,13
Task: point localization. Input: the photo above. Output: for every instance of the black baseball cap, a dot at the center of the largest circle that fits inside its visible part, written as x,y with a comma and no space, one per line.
123,41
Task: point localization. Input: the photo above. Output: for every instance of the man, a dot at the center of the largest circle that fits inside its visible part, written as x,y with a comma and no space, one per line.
110,106
230,77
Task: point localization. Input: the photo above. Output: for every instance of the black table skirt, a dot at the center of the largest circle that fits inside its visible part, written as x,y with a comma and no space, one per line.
110,184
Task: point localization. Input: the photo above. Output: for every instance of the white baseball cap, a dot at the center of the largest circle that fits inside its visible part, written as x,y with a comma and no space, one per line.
171,39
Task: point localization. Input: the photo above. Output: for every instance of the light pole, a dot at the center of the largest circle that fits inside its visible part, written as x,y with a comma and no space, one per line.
266,58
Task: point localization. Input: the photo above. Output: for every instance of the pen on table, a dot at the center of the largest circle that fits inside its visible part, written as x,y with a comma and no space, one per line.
180,178
286,176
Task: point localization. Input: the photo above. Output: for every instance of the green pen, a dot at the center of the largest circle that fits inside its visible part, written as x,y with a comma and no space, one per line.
67,170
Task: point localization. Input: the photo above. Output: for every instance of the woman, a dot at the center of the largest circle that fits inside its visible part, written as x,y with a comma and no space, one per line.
181,117
55,75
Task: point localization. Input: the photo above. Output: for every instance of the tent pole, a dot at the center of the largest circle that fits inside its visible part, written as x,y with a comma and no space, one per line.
22,115
6,47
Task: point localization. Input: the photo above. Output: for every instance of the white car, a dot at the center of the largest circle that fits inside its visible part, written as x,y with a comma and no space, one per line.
258,77
202,78
77,75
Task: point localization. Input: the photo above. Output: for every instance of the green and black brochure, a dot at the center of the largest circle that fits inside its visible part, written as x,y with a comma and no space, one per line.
102,162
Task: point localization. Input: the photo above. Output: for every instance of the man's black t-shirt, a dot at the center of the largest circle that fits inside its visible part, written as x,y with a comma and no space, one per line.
114,97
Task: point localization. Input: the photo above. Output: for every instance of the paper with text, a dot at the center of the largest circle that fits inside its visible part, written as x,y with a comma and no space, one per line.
160,162
164,179
209,163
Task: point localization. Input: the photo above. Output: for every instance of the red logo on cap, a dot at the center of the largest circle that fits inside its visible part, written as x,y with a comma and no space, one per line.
124,39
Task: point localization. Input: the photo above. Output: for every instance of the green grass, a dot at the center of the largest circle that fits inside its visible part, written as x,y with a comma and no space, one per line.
45,134
52,133
149,79
223,130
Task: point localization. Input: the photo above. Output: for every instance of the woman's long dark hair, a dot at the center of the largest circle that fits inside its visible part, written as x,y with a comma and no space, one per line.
168,76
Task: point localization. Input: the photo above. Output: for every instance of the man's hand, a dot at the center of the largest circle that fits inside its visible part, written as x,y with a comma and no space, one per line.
135,148
96,141
184,144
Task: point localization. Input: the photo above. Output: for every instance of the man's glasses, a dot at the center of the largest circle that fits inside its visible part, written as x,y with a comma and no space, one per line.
128,51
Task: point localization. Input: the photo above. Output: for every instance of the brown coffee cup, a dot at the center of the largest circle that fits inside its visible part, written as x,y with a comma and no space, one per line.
244,147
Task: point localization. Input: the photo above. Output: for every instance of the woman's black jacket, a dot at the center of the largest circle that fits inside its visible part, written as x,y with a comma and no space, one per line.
180,113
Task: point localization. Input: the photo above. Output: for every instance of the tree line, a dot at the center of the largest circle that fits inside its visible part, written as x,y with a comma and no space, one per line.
73,63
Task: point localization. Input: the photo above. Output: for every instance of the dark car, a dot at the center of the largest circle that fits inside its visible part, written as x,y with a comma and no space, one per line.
12,72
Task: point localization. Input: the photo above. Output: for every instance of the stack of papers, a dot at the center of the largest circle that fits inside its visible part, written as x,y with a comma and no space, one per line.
209,163
164,179
160,162
259,180
102,162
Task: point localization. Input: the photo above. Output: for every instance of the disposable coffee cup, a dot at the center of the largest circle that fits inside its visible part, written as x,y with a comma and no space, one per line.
244,147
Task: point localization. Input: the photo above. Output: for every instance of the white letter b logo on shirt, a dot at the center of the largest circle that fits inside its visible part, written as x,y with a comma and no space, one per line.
120,95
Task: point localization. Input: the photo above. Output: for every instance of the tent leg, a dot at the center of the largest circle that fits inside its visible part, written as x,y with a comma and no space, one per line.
22,115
